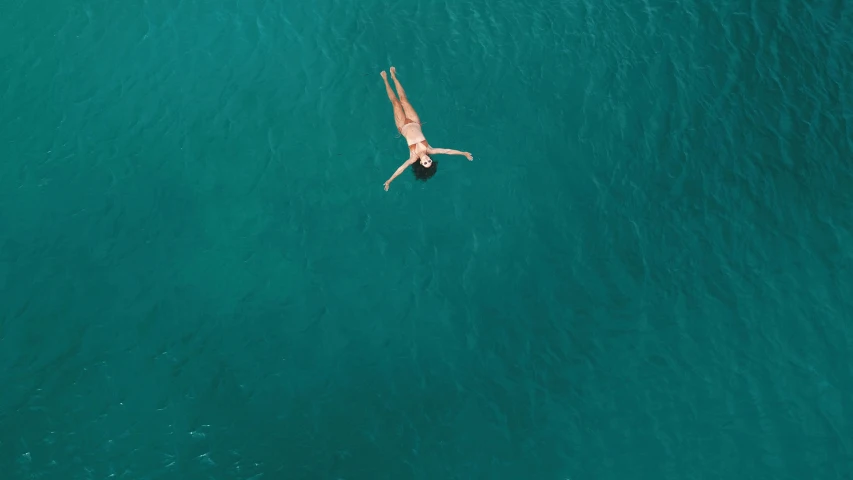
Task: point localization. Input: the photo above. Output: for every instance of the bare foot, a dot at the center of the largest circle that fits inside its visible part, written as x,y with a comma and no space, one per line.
385,75
393,72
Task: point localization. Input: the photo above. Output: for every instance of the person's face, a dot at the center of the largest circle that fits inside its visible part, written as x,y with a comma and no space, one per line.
426,161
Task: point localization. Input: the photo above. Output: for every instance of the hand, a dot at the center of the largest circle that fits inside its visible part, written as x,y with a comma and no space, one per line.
387,183
468,156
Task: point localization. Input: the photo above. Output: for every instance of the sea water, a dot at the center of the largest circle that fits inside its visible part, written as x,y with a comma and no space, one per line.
645,273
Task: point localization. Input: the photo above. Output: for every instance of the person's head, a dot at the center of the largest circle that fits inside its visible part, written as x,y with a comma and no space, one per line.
424,168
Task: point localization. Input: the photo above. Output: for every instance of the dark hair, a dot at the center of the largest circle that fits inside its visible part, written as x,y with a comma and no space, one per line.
423,173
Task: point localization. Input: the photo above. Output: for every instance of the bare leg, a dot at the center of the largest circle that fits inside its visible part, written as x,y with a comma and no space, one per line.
399,115
408,110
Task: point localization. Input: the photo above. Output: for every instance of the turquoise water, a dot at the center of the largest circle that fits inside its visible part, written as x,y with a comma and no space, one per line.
646,272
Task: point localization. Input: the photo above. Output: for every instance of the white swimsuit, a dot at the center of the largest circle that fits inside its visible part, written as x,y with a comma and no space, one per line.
415,135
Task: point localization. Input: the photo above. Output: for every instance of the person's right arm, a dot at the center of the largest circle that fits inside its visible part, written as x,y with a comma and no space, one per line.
448,151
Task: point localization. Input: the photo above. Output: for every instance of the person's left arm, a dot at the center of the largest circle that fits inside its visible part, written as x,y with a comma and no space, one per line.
400,170
448,151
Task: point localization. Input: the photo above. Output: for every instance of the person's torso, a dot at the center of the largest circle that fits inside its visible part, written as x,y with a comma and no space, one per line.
413,133
419,148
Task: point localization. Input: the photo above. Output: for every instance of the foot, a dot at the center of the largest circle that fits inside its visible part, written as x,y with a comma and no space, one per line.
393,72
384,75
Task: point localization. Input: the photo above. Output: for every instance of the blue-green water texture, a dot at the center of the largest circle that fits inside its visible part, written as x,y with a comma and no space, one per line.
646,272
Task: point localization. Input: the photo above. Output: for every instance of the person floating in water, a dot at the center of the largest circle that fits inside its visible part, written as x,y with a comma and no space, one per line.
409,125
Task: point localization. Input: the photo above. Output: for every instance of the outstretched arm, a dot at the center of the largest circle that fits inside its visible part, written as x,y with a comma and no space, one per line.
399,171
448,151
